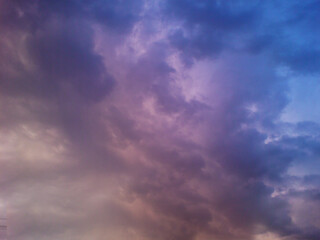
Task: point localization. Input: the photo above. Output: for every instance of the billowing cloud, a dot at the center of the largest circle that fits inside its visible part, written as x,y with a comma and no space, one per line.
159,120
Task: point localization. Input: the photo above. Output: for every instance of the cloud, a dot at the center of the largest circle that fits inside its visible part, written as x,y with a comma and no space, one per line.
206,29
156,120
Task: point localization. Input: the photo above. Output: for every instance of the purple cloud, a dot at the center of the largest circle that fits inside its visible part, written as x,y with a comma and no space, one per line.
157,120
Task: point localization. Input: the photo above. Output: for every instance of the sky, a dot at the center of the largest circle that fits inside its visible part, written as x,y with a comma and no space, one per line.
160,119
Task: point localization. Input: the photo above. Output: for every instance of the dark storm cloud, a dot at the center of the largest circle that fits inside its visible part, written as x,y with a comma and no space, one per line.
110,143
48,55
60,47
242,152
117,15
62,58
210,27
52,77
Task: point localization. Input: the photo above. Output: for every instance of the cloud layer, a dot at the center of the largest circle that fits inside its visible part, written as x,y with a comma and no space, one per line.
162,120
